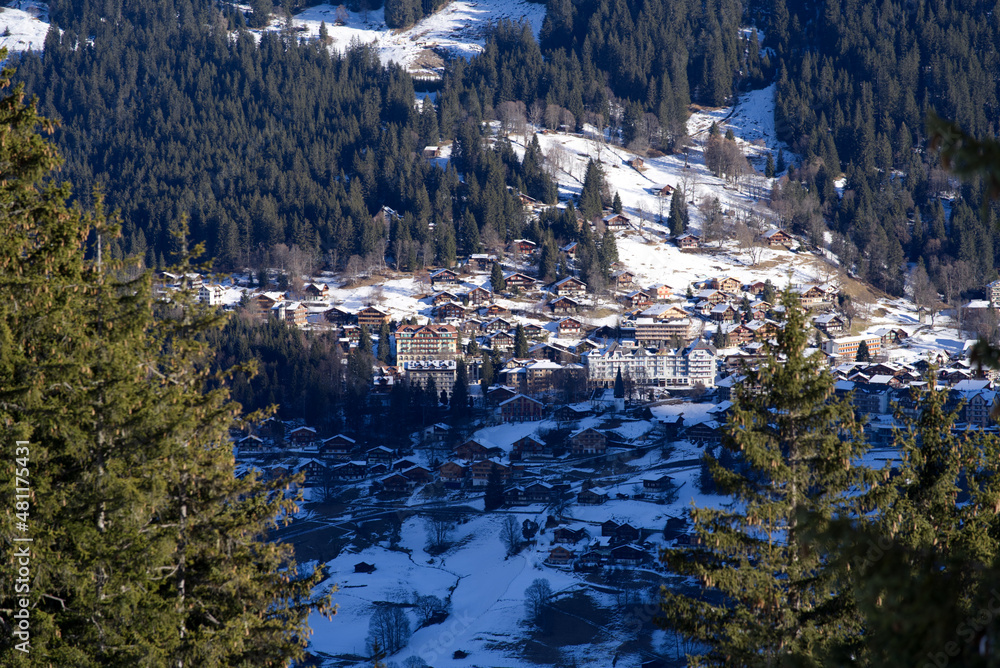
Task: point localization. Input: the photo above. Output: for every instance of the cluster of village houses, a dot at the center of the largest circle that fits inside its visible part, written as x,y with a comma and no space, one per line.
664,342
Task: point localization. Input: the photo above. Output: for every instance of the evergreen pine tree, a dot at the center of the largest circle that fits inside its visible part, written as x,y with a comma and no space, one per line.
591,205
497,281
863,354
616,204
609,252
781,165
460,393
365,340
384,345
486,376
770,593
520,342
493,498
148,549
769,166
677,218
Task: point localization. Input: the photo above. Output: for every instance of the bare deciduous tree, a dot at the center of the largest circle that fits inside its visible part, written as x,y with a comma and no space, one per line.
510,535
388,629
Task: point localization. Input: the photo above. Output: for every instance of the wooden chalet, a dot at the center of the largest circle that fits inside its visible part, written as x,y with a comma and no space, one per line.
594,496
449,311
372,317
302,435
348,470
521,408
478,296
638,299
525,246
452,474
560,556
471,451
628,555
776,238
397,483
657,482
444,278
726,284
519,281
608,528
444,297
625,533
339,316
687,240
528,447
623,280
569,327
588,442
569,287
564,306
364,567
338,447
617,222
569,536
570,249
418,474
636,163
481,471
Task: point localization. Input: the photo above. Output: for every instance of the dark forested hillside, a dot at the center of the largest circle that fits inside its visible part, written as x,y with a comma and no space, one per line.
173,113
259,144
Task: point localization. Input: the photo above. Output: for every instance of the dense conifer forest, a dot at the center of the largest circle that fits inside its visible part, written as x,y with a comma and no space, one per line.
172,112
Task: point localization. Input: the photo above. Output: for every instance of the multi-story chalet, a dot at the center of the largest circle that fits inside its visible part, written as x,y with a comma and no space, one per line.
372,317
471,451
525,246
662,367
564,306
661,291
443,298
316,292
776,238
846,348
813,296
687,241
724,313
497,325
339,316
521,408
569,327
993,293
292,313
529,447
831,323
449,311
453,475
211,294
570,287
443,279
594,496
726,284
478,296
711,296
616,222
535,332
649,332
427,342
638,299
482,261
419,373
519,281
738,334
570,249
501,341
623,280
338,447
302,435
481,471
588,442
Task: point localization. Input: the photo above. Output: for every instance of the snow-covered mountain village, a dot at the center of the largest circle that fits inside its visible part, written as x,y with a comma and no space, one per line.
563,416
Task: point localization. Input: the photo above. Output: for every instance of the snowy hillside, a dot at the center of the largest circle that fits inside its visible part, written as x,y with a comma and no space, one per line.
457,29
23,25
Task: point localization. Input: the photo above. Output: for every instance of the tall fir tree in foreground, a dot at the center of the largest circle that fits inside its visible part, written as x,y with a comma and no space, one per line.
924,565
146,548
769,594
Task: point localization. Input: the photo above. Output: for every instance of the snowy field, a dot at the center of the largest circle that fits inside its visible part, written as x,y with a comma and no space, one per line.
457,29
23,25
